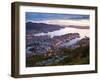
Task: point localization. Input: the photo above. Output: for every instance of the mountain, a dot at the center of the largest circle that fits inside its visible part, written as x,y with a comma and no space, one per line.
81,24
42,27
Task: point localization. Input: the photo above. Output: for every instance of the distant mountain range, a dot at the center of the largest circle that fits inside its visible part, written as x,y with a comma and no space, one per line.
42,27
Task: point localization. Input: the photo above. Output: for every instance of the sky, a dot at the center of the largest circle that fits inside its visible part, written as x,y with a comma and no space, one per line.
33,16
